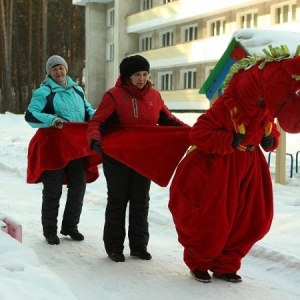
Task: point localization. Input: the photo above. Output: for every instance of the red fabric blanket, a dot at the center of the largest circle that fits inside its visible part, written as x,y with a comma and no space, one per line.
153,151
52,148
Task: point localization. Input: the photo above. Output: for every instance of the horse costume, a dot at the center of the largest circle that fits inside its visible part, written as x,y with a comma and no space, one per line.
221,196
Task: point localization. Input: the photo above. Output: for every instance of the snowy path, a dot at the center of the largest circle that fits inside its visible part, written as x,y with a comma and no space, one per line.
84,266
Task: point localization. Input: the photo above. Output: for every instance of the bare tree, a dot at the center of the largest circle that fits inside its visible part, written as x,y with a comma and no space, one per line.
18,68
6,10
45,28
29,59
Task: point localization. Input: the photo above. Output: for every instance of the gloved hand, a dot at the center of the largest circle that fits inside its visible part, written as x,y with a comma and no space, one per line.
97,146
237,140
267,141
57,123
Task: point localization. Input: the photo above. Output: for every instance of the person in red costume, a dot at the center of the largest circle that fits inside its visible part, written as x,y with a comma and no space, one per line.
133,101
221,196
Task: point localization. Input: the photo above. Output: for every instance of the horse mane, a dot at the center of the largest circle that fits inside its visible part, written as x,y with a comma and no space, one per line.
274,54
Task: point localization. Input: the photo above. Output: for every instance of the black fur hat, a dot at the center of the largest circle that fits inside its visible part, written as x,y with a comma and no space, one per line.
133,64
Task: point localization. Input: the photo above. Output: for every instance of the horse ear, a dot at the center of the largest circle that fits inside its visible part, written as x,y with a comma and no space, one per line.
292,66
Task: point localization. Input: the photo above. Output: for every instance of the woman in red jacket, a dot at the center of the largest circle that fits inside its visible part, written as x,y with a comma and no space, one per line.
133,101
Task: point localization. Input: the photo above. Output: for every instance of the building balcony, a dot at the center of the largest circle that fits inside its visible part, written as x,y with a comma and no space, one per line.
197,51
181,11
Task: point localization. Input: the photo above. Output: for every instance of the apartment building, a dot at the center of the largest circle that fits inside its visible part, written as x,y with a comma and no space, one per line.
182,39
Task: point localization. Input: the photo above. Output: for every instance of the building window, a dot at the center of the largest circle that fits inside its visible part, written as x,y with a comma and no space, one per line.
216,27
110,17
284,12
110,52
165,81
166,38
189,33
145,43
146,4
247,20
188,79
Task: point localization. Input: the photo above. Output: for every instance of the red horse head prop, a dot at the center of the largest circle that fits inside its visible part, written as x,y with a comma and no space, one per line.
273,82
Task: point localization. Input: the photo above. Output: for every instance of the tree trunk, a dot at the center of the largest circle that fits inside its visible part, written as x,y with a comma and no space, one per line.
29,61
45,28
6,27
18,62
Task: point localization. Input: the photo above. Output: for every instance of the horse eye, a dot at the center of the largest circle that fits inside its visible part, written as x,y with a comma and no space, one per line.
297,92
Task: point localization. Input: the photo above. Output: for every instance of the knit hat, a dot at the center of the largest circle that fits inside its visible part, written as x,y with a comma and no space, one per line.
53,61
133,64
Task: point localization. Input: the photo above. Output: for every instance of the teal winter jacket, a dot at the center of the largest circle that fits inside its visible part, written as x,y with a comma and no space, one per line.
51,100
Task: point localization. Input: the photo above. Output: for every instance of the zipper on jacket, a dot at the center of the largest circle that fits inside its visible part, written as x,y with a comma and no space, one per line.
135,108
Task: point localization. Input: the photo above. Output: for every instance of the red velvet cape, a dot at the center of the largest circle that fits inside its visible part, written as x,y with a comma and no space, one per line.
153,151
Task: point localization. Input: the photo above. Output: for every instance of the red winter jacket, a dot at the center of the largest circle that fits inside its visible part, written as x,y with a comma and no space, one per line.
125,104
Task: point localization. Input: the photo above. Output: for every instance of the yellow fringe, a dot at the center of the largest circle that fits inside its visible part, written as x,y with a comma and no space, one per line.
241,128
268,129
238,128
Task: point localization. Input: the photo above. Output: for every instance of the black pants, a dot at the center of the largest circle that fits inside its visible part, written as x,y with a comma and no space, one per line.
124,186
52,191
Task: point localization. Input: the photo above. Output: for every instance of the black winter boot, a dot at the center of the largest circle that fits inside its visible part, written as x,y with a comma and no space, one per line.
201,276
74,234
52,239
141,254
230,277
117,257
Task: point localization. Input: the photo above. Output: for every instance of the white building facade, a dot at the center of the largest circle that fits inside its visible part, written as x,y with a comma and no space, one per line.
182,39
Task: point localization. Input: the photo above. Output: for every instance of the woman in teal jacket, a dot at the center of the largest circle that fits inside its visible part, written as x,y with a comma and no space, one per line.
59,99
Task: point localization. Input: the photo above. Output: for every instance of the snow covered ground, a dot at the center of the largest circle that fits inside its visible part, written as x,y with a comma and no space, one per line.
34,270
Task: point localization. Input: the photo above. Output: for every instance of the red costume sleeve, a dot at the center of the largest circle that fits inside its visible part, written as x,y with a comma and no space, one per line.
213,132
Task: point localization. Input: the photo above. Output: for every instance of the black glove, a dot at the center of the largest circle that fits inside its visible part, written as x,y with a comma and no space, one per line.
237,140
97,147
267,141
